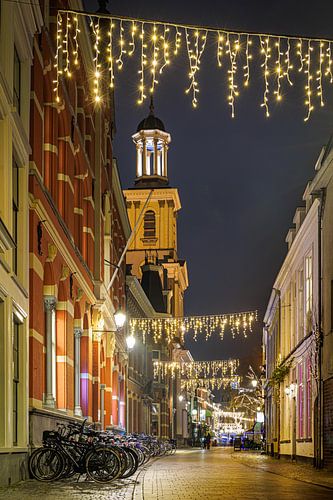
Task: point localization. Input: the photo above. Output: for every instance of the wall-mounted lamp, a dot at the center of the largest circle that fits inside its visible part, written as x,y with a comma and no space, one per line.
119,318
130,342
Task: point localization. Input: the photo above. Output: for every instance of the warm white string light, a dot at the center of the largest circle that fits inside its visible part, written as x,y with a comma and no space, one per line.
132,42
97,74
154,61
196,369
57,57
215,383
158,54
289,66
308,86
265,49
176,328
166,53
279,71
76,41
110,51
194,57
219,52
122,50
320,75
248,56
143,64
300,54
328,71
178,41
66,47
232,50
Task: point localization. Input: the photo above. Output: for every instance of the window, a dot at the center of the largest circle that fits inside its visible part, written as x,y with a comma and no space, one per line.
16,377
300,406
308,285
17,82
300,305
155,419
15,196
308,399
149,225
156,355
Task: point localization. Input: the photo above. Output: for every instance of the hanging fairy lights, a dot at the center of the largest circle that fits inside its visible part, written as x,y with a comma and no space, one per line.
171,329
195,369
214,383
154,43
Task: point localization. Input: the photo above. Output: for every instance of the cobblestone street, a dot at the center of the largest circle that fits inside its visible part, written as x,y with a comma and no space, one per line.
191,475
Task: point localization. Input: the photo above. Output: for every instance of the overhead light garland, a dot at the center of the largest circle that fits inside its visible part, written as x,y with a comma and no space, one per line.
174,329
213,383
195,369
156,44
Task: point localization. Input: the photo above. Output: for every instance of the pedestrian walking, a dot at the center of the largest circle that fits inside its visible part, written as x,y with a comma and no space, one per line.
207,440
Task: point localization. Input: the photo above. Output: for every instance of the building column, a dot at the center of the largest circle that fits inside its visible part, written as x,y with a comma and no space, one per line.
50,334
138,160
122,403
144,157
165,161
77,372
155,156
115,393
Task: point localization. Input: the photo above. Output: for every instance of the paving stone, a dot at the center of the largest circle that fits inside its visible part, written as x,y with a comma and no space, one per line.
193,475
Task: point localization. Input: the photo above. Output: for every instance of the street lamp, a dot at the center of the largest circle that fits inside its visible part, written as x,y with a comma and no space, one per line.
254,383
119,318
130,342
180,398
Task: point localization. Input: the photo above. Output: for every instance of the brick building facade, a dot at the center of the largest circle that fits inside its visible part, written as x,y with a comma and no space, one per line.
78,228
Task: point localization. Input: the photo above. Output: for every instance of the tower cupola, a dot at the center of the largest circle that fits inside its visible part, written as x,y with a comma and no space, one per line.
151,141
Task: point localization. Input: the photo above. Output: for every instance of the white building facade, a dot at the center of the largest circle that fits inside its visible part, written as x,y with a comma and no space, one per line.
19,22
298,333
290,343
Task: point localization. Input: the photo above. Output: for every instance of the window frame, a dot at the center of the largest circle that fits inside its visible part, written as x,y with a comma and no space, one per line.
149,225
15,211
16,376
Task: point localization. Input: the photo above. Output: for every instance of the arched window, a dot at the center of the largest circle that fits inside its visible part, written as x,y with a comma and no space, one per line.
149,224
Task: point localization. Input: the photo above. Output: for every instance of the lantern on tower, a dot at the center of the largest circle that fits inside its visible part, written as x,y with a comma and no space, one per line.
151,140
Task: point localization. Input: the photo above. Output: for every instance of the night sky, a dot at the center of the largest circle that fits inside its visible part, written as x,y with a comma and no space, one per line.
240,180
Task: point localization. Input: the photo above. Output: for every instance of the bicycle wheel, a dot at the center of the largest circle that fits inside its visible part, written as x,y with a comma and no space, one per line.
132,461
102,465
46,464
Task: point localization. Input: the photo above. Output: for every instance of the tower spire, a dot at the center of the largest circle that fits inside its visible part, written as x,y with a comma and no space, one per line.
151,107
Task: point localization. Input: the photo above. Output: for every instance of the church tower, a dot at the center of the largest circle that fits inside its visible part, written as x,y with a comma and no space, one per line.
155,241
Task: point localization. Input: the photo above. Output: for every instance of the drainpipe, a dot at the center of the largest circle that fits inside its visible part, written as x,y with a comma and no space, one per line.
320,195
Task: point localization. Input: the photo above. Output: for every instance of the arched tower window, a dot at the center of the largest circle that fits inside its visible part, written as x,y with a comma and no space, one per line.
149,224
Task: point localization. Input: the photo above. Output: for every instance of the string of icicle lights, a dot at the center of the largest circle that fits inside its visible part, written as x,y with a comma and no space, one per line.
174,329
216,383
156,44
195,369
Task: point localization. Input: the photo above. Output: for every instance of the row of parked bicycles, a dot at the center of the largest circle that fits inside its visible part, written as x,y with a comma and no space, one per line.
77,449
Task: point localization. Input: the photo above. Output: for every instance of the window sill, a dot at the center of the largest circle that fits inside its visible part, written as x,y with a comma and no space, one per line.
149,241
